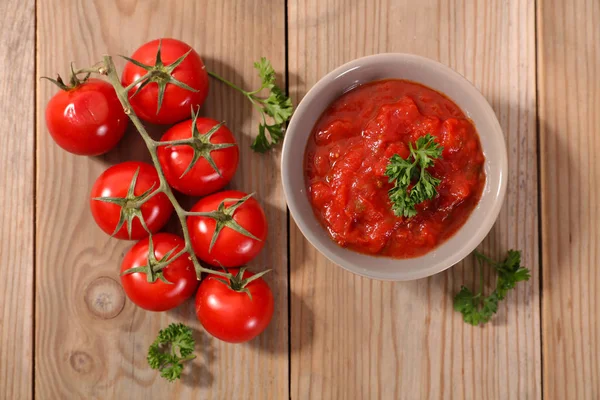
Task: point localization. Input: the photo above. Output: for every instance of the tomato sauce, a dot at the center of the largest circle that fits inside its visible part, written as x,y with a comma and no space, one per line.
349,149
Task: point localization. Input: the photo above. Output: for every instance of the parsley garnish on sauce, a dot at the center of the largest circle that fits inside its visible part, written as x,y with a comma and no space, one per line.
402,172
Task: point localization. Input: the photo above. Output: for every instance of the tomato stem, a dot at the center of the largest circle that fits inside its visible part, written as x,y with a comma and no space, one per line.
137,81
95,69
108,69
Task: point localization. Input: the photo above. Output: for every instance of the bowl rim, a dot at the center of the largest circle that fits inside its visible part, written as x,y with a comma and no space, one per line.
440,265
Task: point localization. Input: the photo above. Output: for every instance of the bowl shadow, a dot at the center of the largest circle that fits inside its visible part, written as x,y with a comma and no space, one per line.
521,219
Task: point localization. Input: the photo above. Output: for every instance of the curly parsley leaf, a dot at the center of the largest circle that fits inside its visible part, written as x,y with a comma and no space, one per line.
426,150
265,72
475,308
261,143
510,272
403,172
171,349
478,309
277,106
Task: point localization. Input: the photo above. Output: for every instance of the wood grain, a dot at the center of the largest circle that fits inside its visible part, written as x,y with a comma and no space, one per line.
354,338
91,342
569,104
17,152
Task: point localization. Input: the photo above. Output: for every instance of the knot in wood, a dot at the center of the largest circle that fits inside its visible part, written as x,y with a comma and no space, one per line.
81,362
104,297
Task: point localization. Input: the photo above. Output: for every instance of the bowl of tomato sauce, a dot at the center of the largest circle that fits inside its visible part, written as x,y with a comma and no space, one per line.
394,167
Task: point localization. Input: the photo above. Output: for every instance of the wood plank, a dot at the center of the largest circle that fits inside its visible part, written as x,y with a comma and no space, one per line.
17,152
358,338
91,342
568,67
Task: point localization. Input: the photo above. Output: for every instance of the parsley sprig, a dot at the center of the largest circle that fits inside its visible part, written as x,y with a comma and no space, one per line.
171,349
479,309
277,106
404,171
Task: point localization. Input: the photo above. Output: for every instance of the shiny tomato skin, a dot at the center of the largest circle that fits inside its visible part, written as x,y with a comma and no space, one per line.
114,182
233,316
177,101
232,249
158,295
86,120
202,179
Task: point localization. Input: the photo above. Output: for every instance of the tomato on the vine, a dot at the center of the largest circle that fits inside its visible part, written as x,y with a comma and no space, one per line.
158,290
204,167
116,196
230,229
235,312
86,118
183,87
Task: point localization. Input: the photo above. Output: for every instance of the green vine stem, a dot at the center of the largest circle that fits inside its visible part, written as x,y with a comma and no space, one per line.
108,68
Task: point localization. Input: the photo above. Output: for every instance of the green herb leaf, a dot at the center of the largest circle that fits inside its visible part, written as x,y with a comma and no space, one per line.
265,71
426,150
478,309
262,143
173,346
276,106
404,171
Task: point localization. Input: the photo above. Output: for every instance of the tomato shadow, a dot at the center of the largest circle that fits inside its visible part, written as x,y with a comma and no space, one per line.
276,338
302,325
197,373
132,147
274,256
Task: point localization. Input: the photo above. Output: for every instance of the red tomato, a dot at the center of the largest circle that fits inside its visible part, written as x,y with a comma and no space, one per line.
159,295
232,315
115,183
202,179
87,119
231,248
177,101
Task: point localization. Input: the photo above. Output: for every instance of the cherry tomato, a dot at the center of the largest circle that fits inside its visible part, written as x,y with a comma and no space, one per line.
231,248
202,178
87,119
115,183
159,295
233,315
177,101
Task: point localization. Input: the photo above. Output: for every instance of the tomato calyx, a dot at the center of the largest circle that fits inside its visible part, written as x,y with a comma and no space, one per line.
237,283
74,81
160,74
223,217
130,205
201,144
154,268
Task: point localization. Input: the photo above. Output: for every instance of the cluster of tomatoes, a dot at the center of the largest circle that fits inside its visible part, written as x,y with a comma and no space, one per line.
228,228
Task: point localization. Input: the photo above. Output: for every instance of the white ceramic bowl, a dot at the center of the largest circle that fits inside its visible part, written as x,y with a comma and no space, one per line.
433,75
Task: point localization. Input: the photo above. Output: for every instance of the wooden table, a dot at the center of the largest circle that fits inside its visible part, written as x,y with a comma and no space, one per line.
67,331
